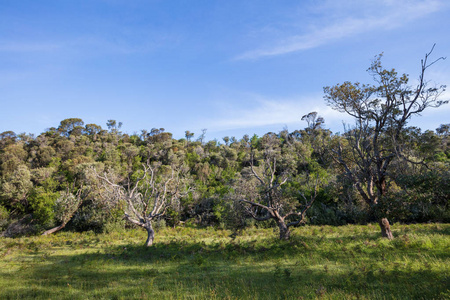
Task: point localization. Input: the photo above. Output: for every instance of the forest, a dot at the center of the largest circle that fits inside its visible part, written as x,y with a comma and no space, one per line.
83,177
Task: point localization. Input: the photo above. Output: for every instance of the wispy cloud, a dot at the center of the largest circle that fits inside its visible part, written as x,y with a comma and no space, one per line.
342,23
256,111
261,111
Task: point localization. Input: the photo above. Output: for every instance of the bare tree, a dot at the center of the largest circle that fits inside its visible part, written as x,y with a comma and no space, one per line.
146,198
264,197
381,112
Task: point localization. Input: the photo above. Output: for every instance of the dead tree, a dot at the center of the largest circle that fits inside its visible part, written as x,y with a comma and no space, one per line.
264,197
148,197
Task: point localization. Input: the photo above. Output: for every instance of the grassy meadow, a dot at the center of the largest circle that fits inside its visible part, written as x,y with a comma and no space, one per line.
324,262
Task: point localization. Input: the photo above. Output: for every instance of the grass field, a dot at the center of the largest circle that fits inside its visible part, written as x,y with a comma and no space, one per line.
348,262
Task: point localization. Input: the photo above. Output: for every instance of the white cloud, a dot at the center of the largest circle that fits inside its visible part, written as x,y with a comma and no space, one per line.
262,112
256,111
344,19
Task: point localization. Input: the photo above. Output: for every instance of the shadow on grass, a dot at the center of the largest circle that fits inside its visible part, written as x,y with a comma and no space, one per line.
437,228
321,247
307,267
95,275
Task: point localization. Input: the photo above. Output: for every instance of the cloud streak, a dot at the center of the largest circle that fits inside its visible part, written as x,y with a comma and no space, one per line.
263,112
260,111
386,16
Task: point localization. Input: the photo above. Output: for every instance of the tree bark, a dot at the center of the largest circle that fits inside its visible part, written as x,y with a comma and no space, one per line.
285,233
150,234
385,229
55,229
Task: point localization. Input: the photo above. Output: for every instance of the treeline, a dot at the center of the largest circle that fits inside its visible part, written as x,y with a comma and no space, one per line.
37,171
89,178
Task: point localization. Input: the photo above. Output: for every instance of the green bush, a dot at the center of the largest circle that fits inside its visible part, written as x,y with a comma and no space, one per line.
4,217
91,216
42,206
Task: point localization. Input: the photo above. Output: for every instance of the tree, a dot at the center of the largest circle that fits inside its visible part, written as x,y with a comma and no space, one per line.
314,121
381,112
92,130
7,138
315,135
202,137
15,188
262,188
71,126
65,207
188,135
146,198
113,126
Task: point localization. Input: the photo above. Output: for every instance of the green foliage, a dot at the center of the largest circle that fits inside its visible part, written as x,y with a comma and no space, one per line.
172,217
42,205
35,169
15,187
424,198
71,126
93,216
4,217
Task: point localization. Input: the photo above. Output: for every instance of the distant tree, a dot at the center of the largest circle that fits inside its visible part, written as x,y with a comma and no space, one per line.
314,120
202,137
71,126
188,135
7,138
93,130
159,136
443,129
315,135
113,125
381,112
444,133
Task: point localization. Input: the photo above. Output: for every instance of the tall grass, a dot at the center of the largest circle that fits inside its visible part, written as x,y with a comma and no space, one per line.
348,262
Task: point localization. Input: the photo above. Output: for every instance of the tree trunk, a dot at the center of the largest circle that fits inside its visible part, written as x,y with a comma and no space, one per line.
385,228
150,234
285,233
55,229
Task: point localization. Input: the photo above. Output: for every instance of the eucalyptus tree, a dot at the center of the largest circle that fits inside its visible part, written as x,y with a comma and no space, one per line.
381,112
92,130
71,126
262,191
7,138
146,197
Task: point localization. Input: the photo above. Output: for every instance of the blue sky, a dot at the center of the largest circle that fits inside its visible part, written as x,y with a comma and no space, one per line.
232,67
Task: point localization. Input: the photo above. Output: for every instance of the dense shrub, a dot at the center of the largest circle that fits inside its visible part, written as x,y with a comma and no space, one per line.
42,206
4,217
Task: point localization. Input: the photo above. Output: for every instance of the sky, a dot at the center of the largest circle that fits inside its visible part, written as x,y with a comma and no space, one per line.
232,67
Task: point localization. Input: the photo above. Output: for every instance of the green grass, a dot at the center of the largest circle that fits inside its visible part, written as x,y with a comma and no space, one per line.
348,262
